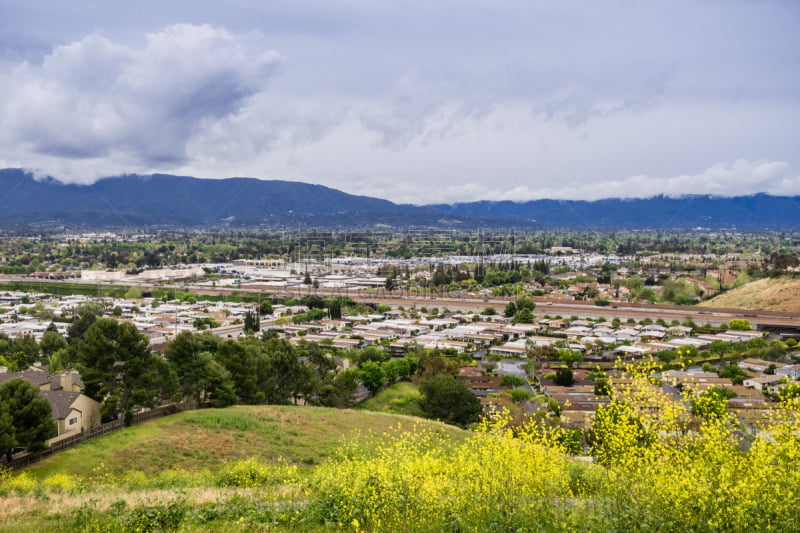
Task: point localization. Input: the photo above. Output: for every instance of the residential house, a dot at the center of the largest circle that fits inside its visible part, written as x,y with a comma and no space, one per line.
73,411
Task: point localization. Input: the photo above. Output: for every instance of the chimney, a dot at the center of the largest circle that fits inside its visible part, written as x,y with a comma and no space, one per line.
66,381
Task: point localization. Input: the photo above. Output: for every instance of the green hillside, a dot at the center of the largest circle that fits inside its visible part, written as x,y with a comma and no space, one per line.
206,439
255,469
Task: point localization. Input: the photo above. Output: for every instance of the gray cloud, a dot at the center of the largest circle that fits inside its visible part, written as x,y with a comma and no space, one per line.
98,100
414,101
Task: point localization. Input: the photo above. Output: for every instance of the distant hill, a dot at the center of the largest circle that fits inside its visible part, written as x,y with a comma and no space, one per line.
771,294
165,200
743,212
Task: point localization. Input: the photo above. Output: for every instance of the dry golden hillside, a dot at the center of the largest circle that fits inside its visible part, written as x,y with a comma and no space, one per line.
780,294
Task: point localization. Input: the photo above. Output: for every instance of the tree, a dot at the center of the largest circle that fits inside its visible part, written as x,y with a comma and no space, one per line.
340,391
29,414
489,311
186,354
569,357
312,301
525,303
510,310
251,322
284,373
265,308
247,365
524,316
216,385
115,361
335,309
447,399
51,342
739,324
372,376
8,437
564,377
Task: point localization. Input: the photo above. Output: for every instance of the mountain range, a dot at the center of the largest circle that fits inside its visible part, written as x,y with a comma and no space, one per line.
178,201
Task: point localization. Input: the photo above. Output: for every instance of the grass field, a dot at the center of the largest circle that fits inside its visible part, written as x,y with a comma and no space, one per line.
778,294
402,398
206,439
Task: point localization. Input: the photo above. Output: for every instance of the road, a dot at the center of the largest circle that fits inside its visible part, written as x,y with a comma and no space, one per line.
470,303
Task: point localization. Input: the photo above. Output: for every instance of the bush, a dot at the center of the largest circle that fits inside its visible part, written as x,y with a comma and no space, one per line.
511,380
61,482
249,473
564,377
520,395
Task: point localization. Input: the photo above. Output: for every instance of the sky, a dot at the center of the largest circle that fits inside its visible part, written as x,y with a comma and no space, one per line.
416,101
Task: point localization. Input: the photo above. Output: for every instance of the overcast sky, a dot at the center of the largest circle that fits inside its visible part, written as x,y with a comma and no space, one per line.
414,101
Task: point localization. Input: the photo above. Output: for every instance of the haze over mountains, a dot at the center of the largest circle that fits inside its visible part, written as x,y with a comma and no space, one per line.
165,200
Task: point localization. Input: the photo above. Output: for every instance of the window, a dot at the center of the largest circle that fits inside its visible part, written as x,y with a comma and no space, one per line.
73,421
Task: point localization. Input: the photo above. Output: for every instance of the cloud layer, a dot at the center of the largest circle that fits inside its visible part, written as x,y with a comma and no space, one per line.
95,105
416,102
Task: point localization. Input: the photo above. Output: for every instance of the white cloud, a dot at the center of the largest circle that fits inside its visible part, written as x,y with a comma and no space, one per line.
741,177
95,107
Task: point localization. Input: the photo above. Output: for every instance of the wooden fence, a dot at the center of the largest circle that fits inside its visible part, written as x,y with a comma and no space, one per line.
99,431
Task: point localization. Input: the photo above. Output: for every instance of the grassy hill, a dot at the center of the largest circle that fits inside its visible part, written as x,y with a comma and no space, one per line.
778,294
410,475
206,439
238,461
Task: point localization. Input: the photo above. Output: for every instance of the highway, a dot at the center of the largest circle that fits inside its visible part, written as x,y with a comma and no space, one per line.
470,303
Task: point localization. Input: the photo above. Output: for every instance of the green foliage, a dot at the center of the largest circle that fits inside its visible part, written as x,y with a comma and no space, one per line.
510,380
26,418
789,392
115,361
205,322
734,373
569,357
252,322
564,377
51,342
739,324
679,292
602,387
265,308
133,294
447,399
372,375
520,395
